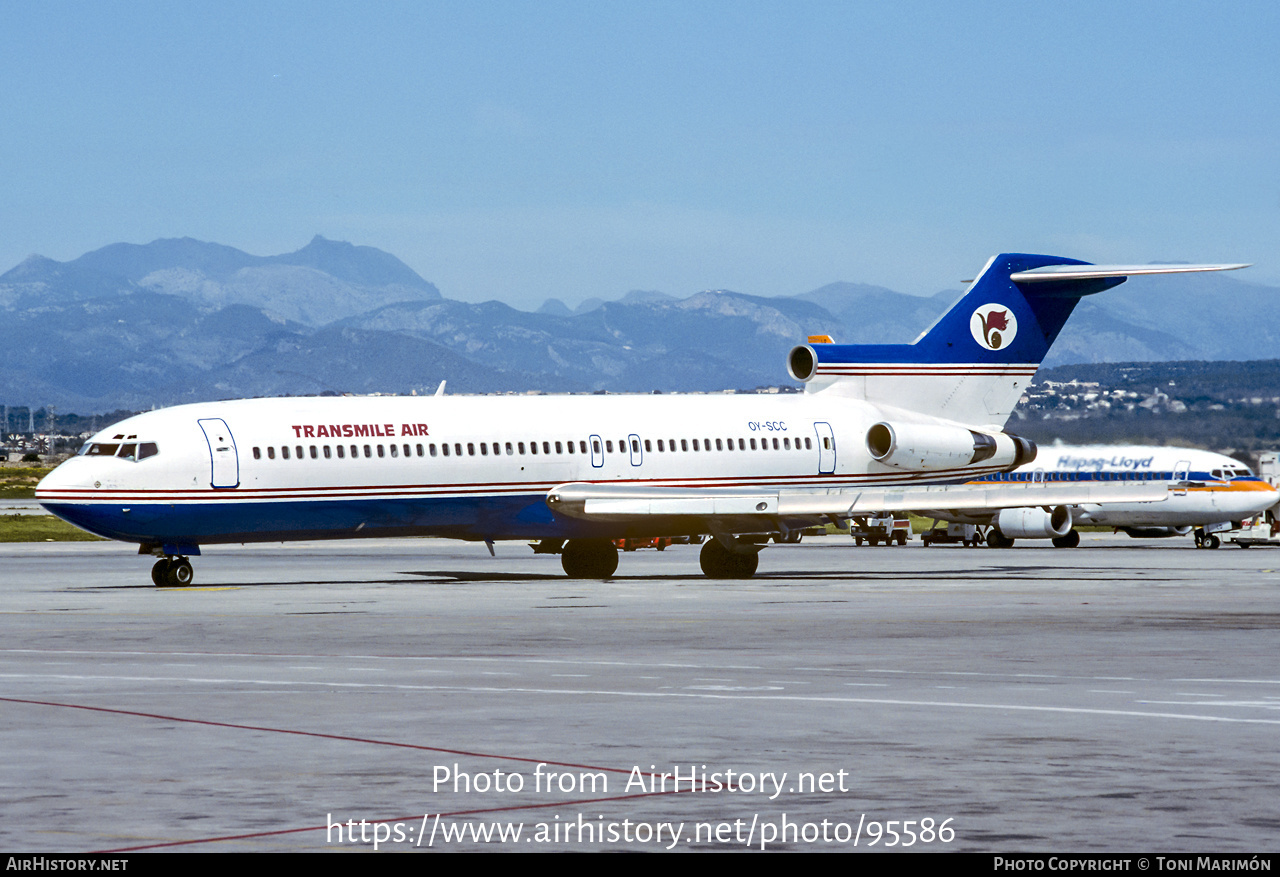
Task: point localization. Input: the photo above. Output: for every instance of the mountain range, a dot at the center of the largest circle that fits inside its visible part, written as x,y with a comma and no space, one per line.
180,320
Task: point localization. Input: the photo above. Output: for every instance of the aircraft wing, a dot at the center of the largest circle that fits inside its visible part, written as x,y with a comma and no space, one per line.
752,507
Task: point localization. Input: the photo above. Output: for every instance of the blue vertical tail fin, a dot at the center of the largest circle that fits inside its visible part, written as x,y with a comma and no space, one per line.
973,364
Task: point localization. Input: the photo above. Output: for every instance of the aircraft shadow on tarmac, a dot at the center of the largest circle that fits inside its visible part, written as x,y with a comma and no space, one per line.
779,578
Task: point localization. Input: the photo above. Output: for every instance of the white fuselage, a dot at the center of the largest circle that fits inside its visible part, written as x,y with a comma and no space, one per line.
473,467
1204,487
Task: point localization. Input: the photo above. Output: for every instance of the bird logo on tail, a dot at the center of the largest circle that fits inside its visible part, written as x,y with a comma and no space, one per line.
993,326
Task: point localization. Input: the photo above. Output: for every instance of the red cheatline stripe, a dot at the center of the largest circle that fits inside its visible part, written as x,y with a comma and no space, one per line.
923,364
917,372
928,369
817,481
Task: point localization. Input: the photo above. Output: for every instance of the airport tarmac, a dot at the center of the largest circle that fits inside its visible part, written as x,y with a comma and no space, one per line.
1124,696
21,507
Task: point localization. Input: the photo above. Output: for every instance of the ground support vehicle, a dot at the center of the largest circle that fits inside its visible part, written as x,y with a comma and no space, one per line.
874,529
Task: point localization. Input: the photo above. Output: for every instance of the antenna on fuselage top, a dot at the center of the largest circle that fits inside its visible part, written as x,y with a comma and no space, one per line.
440,389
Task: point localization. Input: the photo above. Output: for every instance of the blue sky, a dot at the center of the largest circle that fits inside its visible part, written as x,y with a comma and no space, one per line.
524,150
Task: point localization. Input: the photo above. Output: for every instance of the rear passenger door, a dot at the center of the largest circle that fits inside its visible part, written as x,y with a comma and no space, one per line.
826,448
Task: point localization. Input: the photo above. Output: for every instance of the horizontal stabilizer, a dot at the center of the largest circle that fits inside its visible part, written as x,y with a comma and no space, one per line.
1049,273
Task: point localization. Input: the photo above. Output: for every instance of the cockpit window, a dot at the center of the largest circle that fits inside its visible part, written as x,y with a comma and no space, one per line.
127,450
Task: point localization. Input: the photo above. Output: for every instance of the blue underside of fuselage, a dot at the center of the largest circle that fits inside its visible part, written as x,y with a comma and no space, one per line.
490,517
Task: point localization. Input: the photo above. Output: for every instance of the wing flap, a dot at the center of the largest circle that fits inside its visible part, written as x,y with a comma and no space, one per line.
626,502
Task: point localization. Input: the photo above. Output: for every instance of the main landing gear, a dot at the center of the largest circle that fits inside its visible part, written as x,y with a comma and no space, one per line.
589,558
996,539
598,559
172,572
719,562
1070,540
1206,540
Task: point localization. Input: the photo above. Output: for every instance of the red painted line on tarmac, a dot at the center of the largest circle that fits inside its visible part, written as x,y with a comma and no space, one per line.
349,739
342,737
406,819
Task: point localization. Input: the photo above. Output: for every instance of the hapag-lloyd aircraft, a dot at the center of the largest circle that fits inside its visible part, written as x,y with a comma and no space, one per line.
875,426
1208,493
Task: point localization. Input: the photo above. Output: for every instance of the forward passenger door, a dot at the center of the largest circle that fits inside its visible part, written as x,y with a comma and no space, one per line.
224,462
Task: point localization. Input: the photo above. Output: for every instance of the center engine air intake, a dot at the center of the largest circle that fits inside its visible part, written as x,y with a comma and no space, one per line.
802,362
922,446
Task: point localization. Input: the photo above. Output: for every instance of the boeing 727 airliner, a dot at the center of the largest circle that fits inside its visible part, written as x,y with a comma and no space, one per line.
875,426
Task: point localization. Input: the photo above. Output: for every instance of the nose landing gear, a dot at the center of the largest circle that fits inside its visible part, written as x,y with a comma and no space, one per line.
172,572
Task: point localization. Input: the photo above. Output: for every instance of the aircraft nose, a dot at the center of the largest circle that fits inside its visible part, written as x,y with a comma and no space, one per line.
72,474
1245,503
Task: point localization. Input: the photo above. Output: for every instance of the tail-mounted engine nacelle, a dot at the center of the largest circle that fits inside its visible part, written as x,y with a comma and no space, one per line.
922,446
1034,523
